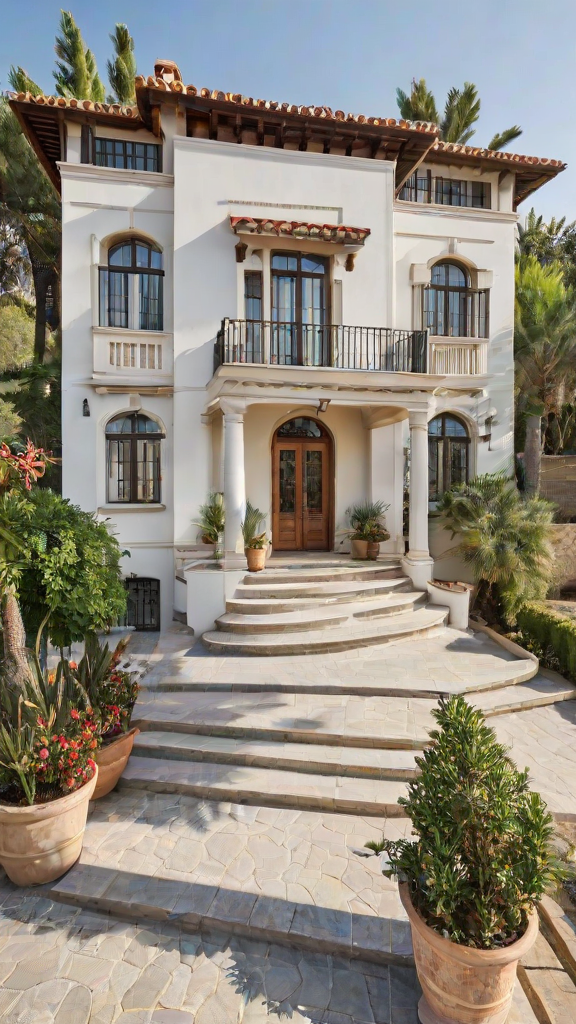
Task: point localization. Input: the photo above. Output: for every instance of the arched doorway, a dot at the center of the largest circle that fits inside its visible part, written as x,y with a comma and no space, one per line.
302,486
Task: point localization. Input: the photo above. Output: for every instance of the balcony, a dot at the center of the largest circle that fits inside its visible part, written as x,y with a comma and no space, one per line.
270,343
131,353
457,357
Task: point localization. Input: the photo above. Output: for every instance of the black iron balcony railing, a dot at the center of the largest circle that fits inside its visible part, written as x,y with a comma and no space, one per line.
268,342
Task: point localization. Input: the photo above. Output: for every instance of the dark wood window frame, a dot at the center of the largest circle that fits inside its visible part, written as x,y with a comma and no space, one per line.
422,187
475,306
297,328
132,438
92,146
446,441
106,314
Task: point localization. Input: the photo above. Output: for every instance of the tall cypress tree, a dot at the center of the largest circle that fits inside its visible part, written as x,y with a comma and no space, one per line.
76,74
122,69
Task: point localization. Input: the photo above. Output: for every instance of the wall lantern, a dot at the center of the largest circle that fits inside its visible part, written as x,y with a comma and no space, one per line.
85,408
240,248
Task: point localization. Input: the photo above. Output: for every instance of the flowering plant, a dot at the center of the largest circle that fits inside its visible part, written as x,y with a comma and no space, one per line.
111,690
25,467
48,735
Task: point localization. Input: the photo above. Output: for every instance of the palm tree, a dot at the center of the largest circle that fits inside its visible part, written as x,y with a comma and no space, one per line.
461,111
505,540
122,69
76,74
545,352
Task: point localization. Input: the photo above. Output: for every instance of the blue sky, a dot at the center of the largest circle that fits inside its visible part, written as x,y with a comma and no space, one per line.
348,54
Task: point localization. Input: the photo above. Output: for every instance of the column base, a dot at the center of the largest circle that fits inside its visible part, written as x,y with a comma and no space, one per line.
420,570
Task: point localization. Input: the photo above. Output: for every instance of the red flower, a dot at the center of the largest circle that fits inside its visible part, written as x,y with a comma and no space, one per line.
43,753
75,714
63,743
93,744
91,763
72,664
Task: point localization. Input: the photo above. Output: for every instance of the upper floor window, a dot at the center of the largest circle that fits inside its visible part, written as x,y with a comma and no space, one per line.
133,450
452,308
448,454
422,187
131,287
128,154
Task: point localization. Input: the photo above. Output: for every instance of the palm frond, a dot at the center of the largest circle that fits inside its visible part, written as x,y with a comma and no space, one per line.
504,138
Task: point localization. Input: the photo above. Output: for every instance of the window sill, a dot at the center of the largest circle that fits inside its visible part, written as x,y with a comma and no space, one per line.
143,506
441,339
129,332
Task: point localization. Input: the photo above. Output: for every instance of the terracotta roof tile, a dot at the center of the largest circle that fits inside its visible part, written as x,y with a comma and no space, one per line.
299,229
321,113
494,154
67,103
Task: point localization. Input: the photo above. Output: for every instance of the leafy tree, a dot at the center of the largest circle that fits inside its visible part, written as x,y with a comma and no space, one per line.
553,242
76,74
461,111
545,350
505,540
122,69
69,572
16,336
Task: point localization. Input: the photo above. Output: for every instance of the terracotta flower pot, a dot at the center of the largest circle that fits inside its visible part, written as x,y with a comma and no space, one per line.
359,548
38,843
112,760
256,558
463,985
373,549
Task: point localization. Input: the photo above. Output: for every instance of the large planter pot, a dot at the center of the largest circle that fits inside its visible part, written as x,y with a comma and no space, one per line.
256,558
38,843
359,548
455,597
373,549
462,985
112,760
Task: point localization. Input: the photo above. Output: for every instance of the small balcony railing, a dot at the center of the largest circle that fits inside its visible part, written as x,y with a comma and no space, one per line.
271,343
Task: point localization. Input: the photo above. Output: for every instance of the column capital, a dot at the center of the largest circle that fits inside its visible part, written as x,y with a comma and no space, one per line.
233,409
418,419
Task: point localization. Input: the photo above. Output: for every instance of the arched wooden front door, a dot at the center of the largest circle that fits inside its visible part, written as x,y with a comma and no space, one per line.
302,474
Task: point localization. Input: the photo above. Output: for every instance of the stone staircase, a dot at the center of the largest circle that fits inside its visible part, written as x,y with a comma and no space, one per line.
256,781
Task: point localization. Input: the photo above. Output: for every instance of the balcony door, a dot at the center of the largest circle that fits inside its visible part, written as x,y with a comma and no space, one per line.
302,474
300,311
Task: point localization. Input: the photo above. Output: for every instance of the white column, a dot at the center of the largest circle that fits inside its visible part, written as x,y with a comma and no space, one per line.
418,564
234,477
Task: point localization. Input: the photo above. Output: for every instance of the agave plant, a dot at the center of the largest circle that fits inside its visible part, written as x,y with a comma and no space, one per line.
212,518
253,518
366,520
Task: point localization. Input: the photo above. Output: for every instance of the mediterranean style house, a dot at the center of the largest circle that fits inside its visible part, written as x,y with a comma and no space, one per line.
285,304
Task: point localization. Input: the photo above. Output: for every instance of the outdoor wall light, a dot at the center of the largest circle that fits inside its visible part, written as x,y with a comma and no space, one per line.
85,408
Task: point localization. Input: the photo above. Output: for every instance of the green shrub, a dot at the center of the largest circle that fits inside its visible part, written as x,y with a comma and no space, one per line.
482,856
555,636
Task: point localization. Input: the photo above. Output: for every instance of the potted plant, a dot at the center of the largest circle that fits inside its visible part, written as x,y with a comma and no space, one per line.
376,534
255,544
112,693
212,519
472,878
48,737
365,520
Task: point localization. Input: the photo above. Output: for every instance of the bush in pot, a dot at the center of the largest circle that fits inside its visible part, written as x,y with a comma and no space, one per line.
366,521
255,544
471,879
212,518
112,693
48,738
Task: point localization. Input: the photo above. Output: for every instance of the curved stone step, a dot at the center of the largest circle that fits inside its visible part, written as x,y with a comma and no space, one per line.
309,758
324,573
266,787
335,638
537,692
317,618
289,597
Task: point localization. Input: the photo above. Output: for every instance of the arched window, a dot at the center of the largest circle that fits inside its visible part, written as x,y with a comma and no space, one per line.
452,308
133,449
131,287
448,454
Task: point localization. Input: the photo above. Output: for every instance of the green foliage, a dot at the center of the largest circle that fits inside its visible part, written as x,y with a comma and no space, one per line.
461,112
21,82
212,518
552,242
76,74
366,520
69,568
505,540
481,859
122,69
111,691
36,399
555,636
16,337
253,517
47,734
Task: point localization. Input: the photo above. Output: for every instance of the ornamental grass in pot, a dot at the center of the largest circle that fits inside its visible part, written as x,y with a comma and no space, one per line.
367,528
112,693
48,738
471,880
255,544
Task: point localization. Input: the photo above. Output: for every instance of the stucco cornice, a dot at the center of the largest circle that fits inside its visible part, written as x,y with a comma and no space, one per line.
459,212
115,175
324,160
